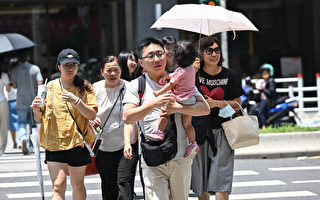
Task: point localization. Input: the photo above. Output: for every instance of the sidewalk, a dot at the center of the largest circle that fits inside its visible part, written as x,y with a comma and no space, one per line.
280,145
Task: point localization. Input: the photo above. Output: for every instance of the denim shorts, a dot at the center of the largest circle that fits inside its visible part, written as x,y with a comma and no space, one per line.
75,157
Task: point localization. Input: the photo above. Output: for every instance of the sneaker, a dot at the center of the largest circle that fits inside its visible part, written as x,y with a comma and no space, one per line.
192,150
155,136
24,146
15,145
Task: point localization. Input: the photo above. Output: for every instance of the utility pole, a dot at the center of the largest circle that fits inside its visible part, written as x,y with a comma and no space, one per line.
224,41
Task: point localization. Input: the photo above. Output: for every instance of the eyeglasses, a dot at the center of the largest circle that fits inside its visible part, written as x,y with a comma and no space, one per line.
209,51
151,56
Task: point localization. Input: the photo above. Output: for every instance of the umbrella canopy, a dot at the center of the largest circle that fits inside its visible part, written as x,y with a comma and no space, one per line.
203,19
14,41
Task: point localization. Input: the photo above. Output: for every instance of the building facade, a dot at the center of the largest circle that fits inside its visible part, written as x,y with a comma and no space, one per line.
288,36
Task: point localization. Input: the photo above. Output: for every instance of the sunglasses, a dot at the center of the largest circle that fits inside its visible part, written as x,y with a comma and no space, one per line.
209,51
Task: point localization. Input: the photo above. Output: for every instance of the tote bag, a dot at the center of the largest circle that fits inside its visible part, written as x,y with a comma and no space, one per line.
242,131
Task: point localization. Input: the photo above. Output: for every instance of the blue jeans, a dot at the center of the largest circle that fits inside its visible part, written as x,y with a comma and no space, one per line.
25,117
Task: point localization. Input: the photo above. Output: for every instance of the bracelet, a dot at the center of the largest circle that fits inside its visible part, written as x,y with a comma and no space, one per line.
77,102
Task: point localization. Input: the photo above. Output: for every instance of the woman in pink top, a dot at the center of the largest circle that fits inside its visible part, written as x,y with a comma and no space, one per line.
182,85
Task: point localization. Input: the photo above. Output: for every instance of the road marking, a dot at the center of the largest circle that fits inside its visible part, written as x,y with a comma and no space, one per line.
307,181
257,183
294,168
46,172
273,195
139,190
49,194
17,161
245,173
22,174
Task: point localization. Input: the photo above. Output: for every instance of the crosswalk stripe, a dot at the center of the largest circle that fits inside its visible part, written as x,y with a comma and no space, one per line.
49,194
266,195
139,190
294,168
257,183
17,161
45,173
245,173
36,183
307,181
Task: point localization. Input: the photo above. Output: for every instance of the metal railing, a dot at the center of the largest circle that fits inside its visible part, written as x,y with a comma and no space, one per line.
295,85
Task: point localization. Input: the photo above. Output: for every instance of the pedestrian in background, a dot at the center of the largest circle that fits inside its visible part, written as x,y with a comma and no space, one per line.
268,94
212,168
128,62
117,173
13,113
4,110
69,105
169,42
170,180
25,77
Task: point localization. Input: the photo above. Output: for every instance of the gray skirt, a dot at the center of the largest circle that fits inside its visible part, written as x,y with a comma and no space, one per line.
213,173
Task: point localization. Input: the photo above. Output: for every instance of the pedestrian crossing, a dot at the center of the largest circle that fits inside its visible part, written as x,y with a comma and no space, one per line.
23,184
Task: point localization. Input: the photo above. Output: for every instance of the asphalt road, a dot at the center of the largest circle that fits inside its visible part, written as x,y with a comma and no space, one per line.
283,179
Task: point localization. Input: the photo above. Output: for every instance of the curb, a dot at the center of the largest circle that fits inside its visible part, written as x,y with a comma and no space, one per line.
283,145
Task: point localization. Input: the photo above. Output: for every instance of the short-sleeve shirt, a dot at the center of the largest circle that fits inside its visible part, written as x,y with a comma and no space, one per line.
113,130
225,85
150,121
26,76
184,81
58,130
4,80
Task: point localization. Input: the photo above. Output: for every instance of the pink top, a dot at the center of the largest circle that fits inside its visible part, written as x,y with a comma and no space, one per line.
184,78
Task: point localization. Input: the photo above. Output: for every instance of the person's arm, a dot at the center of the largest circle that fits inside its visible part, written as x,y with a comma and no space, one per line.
165,89
84,109
220,103
36,105
127,132
8,87
133,113
271,90
201,107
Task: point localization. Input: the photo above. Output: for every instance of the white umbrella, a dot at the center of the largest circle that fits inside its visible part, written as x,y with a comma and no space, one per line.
35,141
203,19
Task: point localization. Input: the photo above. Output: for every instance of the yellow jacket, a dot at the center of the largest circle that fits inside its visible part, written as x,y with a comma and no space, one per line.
58,130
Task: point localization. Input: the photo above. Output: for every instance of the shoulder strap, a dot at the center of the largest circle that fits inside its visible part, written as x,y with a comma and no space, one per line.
141,87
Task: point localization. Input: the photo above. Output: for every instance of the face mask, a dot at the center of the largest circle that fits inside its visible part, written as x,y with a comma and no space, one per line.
226,111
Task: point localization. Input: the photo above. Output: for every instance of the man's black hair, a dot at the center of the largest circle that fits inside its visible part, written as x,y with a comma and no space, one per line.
184,53
146,42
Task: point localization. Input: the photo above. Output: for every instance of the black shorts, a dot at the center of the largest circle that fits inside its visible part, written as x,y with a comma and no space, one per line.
75,157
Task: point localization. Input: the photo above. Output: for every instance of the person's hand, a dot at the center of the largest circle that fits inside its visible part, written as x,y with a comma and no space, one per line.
163,100
210,101
36,104
69,97
95,123
156,93
127,151
196,64
170,108
162,80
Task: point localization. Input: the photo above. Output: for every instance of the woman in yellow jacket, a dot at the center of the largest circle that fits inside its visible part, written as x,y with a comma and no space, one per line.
69,105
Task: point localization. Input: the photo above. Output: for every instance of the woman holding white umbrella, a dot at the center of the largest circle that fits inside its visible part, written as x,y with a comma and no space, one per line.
212,168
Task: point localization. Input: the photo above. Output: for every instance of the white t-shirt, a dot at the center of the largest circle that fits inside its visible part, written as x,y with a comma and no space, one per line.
150,121
4,80
113,130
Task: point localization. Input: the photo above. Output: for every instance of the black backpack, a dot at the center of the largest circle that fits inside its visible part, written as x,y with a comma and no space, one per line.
157,152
